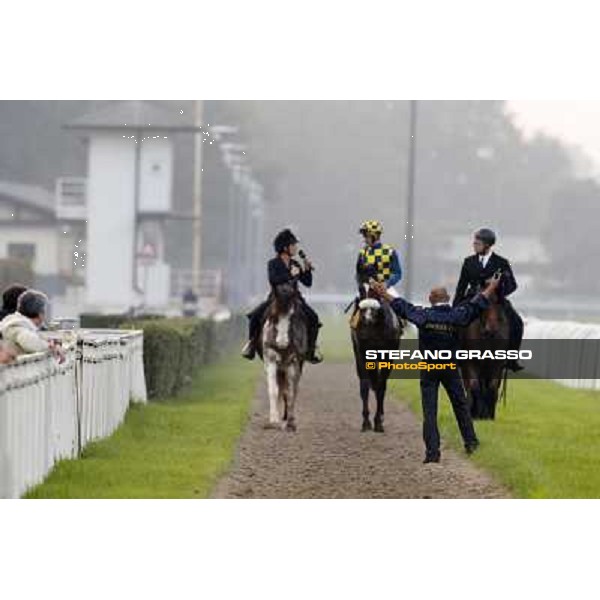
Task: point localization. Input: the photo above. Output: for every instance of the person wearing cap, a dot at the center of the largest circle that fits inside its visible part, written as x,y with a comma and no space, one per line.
283,268
376,259
478,268
438,330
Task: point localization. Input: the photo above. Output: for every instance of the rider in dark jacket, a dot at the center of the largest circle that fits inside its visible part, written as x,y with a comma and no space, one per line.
477,269
283,269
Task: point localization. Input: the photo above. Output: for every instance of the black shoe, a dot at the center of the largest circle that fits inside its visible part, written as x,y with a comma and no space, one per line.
471,447
249,350
514,366
432,458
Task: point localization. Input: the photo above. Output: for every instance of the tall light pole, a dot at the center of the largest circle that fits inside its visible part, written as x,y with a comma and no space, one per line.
410,198
234,159
197,200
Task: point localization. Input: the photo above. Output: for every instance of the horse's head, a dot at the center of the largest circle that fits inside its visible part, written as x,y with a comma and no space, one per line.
285,294
285,328
492,318
370,310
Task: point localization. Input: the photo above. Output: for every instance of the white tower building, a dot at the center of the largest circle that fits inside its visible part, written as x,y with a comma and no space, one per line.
128,198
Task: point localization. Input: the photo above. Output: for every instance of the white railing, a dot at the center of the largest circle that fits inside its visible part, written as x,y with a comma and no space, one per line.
550,359
50,411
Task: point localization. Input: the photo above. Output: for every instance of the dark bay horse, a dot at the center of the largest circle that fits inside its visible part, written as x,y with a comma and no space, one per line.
376,328
283,346
482,377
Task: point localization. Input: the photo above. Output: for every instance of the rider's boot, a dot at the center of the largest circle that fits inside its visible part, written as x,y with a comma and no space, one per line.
314,356
514,365
249,350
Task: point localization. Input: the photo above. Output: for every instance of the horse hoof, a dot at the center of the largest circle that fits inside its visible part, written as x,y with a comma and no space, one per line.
366,426
271,425
379,427
290,426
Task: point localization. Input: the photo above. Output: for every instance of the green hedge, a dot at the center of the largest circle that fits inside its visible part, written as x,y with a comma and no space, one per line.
174,349
96,321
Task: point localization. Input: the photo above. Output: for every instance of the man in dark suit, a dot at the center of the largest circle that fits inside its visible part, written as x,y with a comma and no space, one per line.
479,268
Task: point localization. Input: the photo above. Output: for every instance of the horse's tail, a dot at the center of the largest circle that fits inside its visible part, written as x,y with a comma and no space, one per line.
504,391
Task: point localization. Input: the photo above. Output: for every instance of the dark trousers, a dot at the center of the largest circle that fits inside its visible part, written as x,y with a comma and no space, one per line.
452,382
256,318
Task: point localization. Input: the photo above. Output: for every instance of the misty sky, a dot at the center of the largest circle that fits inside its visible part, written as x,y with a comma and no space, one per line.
574,121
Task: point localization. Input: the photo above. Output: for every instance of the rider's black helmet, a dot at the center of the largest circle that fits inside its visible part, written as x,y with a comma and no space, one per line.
487,236
284,239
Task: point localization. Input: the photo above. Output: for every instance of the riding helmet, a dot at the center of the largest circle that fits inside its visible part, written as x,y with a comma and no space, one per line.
487,236
284,239
371,227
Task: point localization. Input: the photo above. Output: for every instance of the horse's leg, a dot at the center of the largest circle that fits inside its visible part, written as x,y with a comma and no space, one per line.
364,395
472,384
273,391
494,387
489,391
282,384
486,391
380,396
293,377
478,392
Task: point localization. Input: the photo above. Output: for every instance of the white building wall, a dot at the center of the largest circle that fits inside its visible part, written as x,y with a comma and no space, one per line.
45,239
156,174
109,264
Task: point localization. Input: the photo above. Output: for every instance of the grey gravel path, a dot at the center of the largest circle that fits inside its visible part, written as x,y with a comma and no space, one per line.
328,457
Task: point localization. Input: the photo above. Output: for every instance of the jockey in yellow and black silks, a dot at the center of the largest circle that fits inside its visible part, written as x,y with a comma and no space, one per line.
376,259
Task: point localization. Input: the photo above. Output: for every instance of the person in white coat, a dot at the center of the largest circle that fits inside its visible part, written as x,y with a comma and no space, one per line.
20,330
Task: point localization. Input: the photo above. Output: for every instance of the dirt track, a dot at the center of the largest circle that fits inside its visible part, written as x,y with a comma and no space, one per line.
328,457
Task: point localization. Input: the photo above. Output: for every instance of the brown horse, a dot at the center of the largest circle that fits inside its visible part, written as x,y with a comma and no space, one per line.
482,377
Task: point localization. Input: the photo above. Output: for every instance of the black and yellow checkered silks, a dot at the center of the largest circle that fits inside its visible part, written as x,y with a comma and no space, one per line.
381,258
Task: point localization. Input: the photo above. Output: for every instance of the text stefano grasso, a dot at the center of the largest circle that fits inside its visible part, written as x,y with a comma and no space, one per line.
498,354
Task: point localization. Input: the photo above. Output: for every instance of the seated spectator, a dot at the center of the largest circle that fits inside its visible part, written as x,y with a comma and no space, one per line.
20,330
9,299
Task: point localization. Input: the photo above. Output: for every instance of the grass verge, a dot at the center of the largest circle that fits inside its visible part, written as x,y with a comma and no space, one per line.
543,444
174,448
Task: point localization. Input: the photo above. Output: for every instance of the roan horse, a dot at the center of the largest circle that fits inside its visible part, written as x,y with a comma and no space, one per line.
376,328
283,346
482,377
